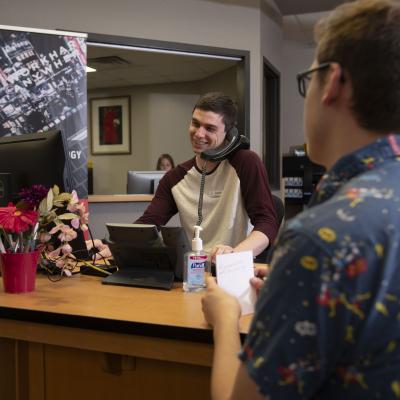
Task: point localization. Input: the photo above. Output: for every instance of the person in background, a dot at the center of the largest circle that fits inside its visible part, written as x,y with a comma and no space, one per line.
237,211
327,320
165,162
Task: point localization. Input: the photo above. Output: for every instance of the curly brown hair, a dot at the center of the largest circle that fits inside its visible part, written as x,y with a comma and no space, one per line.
364,38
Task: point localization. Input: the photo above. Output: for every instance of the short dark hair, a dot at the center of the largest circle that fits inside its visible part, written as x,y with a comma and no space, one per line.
363,36
221,104
168,157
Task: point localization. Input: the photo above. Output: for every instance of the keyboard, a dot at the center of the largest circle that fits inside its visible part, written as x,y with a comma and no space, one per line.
141,277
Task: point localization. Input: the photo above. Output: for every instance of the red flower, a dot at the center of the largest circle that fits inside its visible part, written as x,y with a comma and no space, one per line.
16,221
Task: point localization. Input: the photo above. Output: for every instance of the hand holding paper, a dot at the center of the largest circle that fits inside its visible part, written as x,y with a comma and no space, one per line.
233,275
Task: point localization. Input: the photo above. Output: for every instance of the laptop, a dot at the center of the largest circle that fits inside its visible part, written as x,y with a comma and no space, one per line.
142,257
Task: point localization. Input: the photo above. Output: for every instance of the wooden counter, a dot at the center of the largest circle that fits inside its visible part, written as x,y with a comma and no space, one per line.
80,339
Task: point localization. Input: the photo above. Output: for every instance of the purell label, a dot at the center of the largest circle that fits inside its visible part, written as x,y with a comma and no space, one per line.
196,269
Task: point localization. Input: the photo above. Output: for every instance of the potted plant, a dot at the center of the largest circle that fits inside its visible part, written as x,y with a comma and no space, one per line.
38,228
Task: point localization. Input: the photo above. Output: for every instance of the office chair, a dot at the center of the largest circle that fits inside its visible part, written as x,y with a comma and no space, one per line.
265,255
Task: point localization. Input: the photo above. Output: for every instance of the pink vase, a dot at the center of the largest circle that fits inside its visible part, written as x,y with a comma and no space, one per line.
19,271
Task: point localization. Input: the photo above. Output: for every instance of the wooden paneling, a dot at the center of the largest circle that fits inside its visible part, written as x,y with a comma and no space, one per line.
188,352
7,369
85,376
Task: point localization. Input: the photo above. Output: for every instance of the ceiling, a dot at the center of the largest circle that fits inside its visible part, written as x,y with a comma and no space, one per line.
117,67
299,28
300,17
293,7
122,68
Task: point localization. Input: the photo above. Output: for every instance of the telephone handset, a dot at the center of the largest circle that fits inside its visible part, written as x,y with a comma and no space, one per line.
233,141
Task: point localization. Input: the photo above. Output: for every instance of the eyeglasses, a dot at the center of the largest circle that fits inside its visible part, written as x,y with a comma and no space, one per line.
304,78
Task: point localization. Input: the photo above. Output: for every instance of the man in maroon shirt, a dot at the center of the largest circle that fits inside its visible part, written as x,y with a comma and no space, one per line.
237,210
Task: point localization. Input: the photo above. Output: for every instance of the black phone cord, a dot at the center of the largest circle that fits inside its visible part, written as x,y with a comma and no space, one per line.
201,194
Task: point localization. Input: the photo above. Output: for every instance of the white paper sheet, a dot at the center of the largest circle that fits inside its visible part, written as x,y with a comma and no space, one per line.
234,271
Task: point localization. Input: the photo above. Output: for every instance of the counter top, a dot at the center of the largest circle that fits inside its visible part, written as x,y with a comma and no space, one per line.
119,198
82,301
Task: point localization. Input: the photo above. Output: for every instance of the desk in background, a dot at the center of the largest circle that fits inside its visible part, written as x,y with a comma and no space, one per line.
77,339
122,208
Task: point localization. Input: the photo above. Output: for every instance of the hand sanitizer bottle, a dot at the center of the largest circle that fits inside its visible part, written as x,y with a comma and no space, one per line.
195,265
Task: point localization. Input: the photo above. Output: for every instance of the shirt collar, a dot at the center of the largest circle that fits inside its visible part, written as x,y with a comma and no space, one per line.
362,160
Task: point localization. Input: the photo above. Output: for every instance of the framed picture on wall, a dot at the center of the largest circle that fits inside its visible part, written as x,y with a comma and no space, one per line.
110,124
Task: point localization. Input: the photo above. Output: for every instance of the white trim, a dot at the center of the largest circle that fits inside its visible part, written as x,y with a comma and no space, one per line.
47,31
163,51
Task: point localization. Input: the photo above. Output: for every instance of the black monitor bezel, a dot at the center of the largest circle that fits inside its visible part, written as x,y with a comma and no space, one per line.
27,151
141,177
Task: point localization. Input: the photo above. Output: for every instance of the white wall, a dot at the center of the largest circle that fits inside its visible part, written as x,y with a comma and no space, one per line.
160,117
224,81
203,22
296,58
271,50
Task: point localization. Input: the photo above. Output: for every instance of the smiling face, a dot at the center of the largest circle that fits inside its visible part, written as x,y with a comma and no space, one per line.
165,164
206,130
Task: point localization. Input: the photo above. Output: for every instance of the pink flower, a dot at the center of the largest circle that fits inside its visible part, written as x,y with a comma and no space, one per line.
66,249
80,222
44,237
67,234
55,253
82,218
14,220
75,198
75,223
60,263
55,229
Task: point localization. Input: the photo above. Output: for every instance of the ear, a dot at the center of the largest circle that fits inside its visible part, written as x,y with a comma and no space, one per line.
231,133
332,85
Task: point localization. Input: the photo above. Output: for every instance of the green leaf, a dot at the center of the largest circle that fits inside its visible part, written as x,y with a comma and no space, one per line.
56,190
67,216
63,197
43,207
50,198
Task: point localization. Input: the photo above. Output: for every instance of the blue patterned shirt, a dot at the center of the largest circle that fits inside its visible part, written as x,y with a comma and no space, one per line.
327,322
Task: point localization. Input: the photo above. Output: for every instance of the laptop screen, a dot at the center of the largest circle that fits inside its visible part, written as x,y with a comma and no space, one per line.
142,247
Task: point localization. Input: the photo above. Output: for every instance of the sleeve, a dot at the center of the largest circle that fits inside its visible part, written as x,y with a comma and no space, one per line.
163,207
256,192
298,330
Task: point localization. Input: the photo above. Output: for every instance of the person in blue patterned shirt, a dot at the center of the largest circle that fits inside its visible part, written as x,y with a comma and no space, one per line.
327,320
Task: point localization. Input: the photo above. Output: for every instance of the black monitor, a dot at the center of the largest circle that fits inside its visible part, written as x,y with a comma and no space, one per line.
143,182
35,158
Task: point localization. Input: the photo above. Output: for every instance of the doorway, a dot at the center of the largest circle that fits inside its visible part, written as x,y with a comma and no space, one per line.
271,124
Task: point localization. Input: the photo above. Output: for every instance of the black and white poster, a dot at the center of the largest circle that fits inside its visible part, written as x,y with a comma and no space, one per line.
43,87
